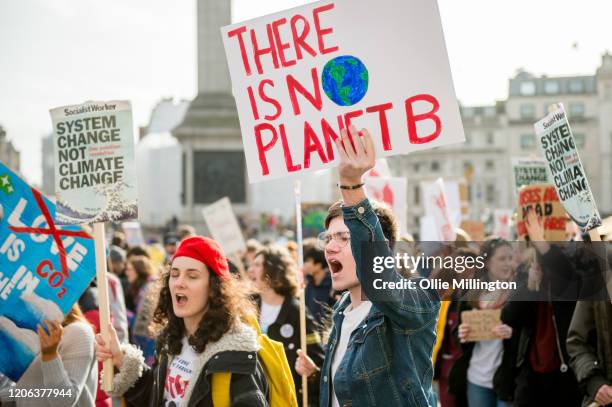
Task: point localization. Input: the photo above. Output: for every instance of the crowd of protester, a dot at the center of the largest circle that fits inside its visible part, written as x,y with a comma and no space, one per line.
187,325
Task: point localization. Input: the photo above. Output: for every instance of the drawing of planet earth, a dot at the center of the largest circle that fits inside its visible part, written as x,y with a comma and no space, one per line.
345,80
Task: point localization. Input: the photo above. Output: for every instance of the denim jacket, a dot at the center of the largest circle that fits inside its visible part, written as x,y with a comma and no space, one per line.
388,358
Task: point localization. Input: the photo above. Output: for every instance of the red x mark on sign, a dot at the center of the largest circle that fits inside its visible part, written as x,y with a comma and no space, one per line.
51,230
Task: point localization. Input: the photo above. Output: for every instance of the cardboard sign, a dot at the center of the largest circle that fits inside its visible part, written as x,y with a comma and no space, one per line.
528,171
44,269
223,226
133,233
502,223
436,207
545,201
393,192
481,322
302,75
565,169
95,176
475,229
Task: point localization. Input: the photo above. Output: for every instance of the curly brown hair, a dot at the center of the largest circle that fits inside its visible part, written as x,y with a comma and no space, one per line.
229,301
280,270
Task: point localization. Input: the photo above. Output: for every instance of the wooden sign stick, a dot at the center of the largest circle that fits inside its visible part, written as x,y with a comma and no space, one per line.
100,246
298,221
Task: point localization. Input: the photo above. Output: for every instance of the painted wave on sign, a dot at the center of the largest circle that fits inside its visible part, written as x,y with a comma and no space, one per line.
19,347
33,310
116,207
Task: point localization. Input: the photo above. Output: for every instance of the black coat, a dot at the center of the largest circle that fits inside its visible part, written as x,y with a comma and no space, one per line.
521,313
503,379
286,329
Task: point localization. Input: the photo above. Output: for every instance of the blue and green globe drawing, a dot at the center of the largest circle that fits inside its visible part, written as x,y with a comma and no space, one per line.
345,80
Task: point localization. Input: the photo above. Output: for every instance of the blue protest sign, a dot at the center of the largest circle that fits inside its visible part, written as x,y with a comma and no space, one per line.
44,269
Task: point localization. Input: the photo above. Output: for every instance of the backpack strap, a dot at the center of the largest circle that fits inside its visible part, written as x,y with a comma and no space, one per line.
221,389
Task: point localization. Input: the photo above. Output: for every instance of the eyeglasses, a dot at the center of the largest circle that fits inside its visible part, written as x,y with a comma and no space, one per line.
341,239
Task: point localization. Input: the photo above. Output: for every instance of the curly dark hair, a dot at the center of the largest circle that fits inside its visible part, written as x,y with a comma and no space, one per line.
312,251
280,270
229,301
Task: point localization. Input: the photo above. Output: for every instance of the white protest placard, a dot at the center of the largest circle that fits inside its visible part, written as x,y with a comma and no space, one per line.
528,171
223,226
95,176
453,201
133,233
436,207
391,191
502,223
428,231
381,169
565,170
301,75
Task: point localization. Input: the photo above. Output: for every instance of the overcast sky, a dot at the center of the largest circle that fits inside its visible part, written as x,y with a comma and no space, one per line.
59,52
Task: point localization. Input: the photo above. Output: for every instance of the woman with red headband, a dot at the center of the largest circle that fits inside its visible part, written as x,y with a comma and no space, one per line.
202,310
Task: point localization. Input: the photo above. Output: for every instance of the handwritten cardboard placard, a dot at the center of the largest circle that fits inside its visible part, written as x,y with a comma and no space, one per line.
301,75
95,175
545,201
481,322
475,229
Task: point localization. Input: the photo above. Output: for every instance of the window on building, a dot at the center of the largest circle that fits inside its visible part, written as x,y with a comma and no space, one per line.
576,86
527,141
490,193
417,194
528,88
576,109
468,169
551,87
579,140
527,111
435,166
490,111
490,139
490,164
416,167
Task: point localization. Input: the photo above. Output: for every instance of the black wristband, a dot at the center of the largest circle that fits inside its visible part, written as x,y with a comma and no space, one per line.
350,186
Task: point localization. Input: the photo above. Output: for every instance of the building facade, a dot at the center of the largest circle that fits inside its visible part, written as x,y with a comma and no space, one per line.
497,133
8,153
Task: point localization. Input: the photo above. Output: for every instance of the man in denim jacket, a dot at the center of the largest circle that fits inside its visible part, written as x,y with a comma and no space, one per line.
380,346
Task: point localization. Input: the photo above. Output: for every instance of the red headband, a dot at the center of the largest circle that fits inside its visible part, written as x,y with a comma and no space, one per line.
205,250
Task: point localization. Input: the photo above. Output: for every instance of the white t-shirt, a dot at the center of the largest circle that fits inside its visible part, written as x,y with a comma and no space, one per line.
486,358
178,376
353,317
268,316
